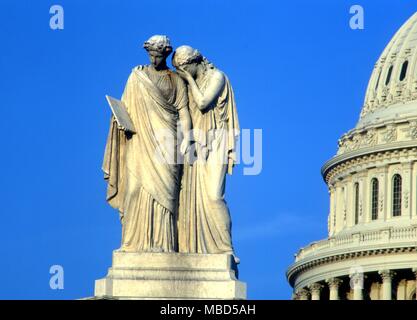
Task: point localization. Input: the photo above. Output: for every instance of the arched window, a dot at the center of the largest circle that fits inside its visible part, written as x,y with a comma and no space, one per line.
374,199
396,195
356,203
387,81
404,68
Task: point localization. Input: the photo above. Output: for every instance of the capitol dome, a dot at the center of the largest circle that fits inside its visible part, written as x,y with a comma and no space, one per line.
371,250
392,87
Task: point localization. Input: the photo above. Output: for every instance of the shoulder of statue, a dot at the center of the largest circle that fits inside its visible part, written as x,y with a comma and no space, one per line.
219,73
217,77
177,77
215,73
139,68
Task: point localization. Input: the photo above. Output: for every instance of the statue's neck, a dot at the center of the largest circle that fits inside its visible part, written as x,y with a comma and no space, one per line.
162,67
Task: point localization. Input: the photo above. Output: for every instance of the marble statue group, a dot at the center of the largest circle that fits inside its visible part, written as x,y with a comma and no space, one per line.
167,178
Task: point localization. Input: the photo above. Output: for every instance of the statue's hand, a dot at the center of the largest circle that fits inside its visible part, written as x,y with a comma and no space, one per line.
183,74
185,145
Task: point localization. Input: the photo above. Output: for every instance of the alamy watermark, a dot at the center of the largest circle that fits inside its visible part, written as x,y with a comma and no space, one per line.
56,282
357,21
215,147
56,22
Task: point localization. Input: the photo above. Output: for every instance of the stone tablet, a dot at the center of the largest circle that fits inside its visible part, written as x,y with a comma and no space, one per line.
121,115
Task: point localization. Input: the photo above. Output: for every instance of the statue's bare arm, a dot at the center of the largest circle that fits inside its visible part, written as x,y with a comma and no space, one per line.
185,120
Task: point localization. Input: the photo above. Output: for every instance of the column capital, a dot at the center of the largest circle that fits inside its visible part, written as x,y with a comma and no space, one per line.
334,282
315,287
302,294
386,275
357,280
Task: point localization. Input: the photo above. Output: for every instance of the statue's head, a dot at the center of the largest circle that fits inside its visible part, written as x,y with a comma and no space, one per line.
187,58
159,48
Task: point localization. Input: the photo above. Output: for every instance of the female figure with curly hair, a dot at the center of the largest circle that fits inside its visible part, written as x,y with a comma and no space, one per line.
204,224
141,169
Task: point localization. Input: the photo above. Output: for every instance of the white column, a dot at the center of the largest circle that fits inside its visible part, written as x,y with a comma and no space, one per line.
386,276
315,290
415,278
356,281
332,209
334,284
338,208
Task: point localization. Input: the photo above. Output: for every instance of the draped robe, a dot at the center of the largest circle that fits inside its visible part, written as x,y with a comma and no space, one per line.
141,171
204,224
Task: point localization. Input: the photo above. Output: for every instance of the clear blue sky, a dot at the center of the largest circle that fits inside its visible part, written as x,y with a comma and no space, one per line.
299,73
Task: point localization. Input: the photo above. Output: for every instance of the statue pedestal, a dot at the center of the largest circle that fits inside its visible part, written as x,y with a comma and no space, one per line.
170,276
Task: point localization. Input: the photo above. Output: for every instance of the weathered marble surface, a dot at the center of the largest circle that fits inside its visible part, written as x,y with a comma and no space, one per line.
170,276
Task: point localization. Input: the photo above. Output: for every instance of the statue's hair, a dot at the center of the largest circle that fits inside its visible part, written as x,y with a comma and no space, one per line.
159,43
185,55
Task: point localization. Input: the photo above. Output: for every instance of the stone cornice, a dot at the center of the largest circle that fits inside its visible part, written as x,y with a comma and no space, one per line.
343,158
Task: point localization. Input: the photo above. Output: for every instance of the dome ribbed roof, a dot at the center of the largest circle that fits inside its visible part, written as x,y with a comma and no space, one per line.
388,119
392,89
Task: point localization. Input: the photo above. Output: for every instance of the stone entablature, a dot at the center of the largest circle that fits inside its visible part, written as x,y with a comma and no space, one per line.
379,134
339,167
